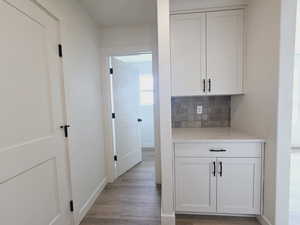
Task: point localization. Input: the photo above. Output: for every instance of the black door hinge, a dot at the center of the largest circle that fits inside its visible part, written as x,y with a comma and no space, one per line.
113,115
65,127
115,157
71,206
111,70
60,51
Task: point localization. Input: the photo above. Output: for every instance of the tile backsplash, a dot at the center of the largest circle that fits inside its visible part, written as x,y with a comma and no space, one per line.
216,111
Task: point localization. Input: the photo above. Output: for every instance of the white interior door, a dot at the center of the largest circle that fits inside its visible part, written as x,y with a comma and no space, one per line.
126,109
195,184
33,177
239,185
188,54
225,40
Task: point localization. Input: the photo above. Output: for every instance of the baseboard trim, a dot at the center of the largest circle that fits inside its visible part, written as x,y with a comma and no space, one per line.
263,220
167,219
90,202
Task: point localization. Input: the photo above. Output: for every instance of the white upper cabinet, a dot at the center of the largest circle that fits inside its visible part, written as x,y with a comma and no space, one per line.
188,59
207,53
225,52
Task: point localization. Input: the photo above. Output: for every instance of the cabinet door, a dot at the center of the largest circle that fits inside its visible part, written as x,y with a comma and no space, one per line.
195,185
238,185
225,52
188,59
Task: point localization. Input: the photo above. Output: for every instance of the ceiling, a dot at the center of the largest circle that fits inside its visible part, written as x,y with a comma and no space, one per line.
108,13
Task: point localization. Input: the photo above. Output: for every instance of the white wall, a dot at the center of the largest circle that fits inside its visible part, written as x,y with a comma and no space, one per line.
296,103
147,114
288,13
146,111
164,78
256,111
296,94
81,68
117,38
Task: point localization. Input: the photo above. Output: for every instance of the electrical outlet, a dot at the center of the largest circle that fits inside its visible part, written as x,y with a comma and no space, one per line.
199,109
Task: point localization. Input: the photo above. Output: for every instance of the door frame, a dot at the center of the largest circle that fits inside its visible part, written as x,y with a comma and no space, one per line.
284,109
111,170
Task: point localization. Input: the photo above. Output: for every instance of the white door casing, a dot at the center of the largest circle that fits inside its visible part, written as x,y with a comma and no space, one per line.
188,54
195,184
33,172
238,188
125,87
225,45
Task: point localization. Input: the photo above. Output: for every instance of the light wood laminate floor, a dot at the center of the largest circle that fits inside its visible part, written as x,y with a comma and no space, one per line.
134,199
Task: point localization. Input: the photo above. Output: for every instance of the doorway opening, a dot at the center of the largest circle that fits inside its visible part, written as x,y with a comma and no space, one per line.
132,197
132,106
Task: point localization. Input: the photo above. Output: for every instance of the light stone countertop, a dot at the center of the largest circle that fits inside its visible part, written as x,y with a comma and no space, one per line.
183,135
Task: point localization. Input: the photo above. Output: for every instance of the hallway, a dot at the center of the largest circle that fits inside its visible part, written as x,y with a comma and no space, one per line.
133,199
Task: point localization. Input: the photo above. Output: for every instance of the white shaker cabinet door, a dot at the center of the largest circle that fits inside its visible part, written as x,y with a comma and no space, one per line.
195,185
188,49
225,49
238,185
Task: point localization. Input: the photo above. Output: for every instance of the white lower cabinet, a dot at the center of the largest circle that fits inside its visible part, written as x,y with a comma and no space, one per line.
238,186
220,185
195,193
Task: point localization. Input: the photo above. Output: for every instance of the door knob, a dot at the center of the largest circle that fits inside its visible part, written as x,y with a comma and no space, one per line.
65,127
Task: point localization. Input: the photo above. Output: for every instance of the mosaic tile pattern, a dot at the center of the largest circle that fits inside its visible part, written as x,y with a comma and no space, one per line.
216,111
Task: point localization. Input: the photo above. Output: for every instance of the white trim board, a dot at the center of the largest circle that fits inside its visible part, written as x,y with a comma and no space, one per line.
209,9
195,5
165,124
288,16
90,202
168,219
263,220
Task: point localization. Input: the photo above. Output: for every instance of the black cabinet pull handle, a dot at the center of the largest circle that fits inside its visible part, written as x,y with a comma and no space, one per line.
214,168
217,150
204,85
209,85
139,120
221,169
